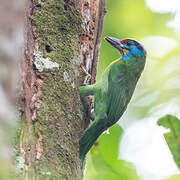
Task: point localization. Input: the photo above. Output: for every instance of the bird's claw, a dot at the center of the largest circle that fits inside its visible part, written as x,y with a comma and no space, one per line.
87,77
92,114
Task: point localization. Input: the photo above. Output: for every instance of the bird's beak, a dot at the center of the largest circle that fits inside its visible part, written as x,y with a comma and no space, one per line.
116,43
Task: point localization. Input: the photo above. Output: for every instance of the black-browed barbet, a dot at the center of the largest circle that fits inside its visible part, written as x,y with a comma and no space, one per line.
113,91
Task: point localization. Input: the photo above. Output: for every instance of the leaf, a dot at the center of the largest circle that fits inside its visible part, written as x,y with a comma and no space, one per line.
173,137
103,163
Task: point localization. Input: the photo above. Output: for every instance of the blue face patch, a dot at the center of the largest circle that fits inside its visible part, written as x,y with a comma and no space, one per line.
133,51
136,51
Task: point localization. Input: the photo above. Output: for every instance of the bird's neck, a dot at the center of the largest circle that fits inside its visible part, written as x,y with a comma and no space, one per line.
135,63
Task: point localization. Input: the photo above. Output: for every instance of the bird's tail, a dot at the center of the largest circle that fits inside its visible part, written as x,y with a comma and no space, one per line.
89,137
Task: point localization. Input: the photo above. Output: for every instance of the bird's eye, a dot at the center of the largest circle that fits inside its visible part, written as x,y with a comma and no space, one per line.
129,43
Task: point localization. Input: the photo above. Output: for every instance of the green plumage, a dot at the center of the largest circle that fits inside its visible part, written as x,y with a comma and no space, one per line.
111,97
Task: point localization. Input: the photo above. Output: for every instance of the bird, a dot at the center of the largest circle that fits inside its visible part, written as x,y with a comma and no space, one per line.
112,93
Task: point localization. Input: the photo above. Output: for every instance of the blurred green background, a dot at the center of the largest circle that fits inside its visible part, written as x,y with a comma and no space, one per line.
136,149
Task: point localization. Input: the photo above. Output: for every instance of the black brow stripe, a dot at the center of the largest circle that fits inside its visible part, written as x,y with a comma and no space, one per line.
138,45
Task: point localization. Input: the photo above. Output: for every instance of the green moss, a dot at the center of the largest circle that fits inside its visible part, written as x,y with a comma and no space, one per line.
57,25
58,28
18,129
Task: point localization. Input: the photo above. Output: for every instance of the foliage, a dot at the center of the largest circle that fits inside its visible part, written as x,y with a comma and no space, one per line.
103,163
158,89
173,137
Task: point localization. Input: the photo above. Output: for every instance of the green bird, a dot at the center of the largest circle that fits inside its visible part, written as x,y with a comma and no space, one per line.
113,91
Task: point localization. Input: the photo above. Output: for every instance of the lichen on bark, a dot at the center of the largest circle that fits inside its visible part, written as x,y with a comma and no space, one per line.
56,109
52,115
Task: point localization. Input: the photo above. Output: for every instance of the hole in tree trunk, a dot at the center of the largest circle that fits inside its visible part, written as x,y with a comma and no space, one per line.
48,48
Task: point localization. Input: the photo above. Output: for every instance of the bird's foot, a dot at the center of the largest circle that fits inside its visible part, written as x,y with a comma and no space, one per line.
87,77
92,114
106,131
82,162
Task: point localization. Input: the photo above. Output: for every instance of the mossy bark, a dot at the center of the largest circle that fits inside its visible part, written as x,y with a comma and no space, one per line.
61,36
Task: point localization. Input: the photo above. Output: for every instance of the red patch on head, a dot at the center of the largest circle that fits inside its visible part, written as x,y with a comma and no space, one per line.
145,51
123,41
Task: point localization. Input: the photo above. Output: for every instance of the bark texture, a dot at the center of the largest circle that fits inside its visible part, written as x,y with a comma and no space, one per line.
60,37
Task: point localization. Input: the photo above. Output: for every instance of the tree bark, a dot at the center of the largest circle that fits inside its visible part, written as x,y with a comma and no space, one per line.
60,37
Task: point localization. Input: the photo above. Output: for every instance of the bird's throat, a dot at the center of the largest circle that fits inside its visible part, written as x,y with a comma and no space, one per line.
127,56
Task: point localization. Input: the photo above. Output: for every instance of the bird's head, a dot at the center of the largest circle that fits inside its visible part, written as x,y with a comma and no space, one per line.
127,47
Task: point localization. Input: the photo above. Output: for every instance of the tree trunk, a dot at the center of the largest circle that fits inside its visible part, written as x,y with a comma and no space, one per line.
60,37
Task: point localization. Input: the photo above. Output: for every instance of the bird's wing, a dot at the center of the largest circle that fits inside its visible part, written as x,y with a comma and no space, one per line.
117,91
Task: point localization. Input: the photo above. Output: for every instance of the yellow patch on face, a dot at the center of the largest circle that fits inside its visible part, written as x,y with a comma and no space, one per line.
125,51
